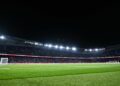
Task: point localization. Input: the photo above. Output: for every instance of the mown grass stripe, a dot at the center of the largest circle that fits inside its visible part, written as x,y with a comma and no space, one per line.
18,71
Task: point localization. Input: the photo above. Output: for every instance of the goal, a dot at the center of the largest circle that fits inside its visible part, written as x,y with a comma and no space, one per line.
4,60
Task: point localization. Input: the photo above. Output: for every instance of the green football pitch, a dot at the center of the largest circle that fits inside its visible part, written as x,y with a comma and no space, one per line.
71,74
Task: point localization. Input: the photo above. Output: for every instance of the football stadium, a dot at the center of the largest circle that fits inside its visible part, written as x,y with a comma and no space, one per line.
31,63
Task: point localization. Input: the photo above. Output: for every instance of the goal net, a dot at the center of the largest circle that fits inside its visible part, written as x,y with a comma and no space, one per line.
4,60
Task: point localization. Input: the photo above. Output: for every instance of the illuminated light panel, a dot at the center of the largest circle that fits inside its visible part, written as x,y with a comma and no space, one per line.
96,50
56,46
86,49
50,45
2,37
46,45
40,44
67,48
74,48
61,47
90,50
36,43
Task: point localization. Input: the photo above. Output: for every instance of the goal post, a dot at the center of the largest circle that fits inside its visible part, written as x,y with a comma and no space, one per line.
3,60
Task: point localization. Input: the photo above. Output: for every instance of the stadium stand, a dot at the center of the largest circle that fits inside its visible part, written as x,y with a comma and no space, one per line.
18,51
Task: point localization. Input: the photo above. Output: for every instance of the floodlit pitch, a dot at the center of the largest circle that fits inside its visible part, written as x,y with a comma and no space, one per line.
94,74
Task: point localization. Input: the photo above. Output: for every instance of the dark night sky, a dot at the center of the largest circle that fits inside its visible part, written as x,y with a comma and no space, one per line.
84,24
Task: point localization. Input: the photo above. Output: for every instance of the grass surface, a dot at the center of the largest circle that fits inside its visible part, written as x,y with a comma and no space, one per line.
95,74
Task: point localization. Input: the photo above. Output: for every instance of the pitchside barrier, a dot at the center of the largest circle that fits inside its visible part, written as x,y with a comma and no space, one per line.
18,58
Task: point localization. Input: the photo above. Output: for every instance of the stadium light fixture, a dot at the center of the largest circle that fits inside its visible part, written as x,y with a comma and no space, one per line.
67,48
74,48
2,37
90,50
50,45
56,46
40,44
46,45
86,50
36,43
61,47
96,49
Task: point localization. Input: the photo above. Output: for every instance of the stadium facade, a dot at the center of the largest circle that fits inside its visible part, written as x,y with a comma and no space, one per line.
18,50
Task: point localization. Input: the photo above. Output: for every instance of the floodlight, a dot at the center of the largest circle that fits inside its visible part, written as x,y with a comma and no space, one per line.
74,48
40,44
86,50
90,50
36,43
2,37
56,46
96,49
50,45
61,47
67,48
46,45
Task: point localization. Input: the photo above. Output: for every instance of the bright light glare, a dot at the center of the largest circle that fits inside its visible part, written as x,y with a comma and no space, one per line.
61,47
67,48
90,50
96,50
56,46
46,45
50,45
86,49
74,48
2,37
40,44
36,43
